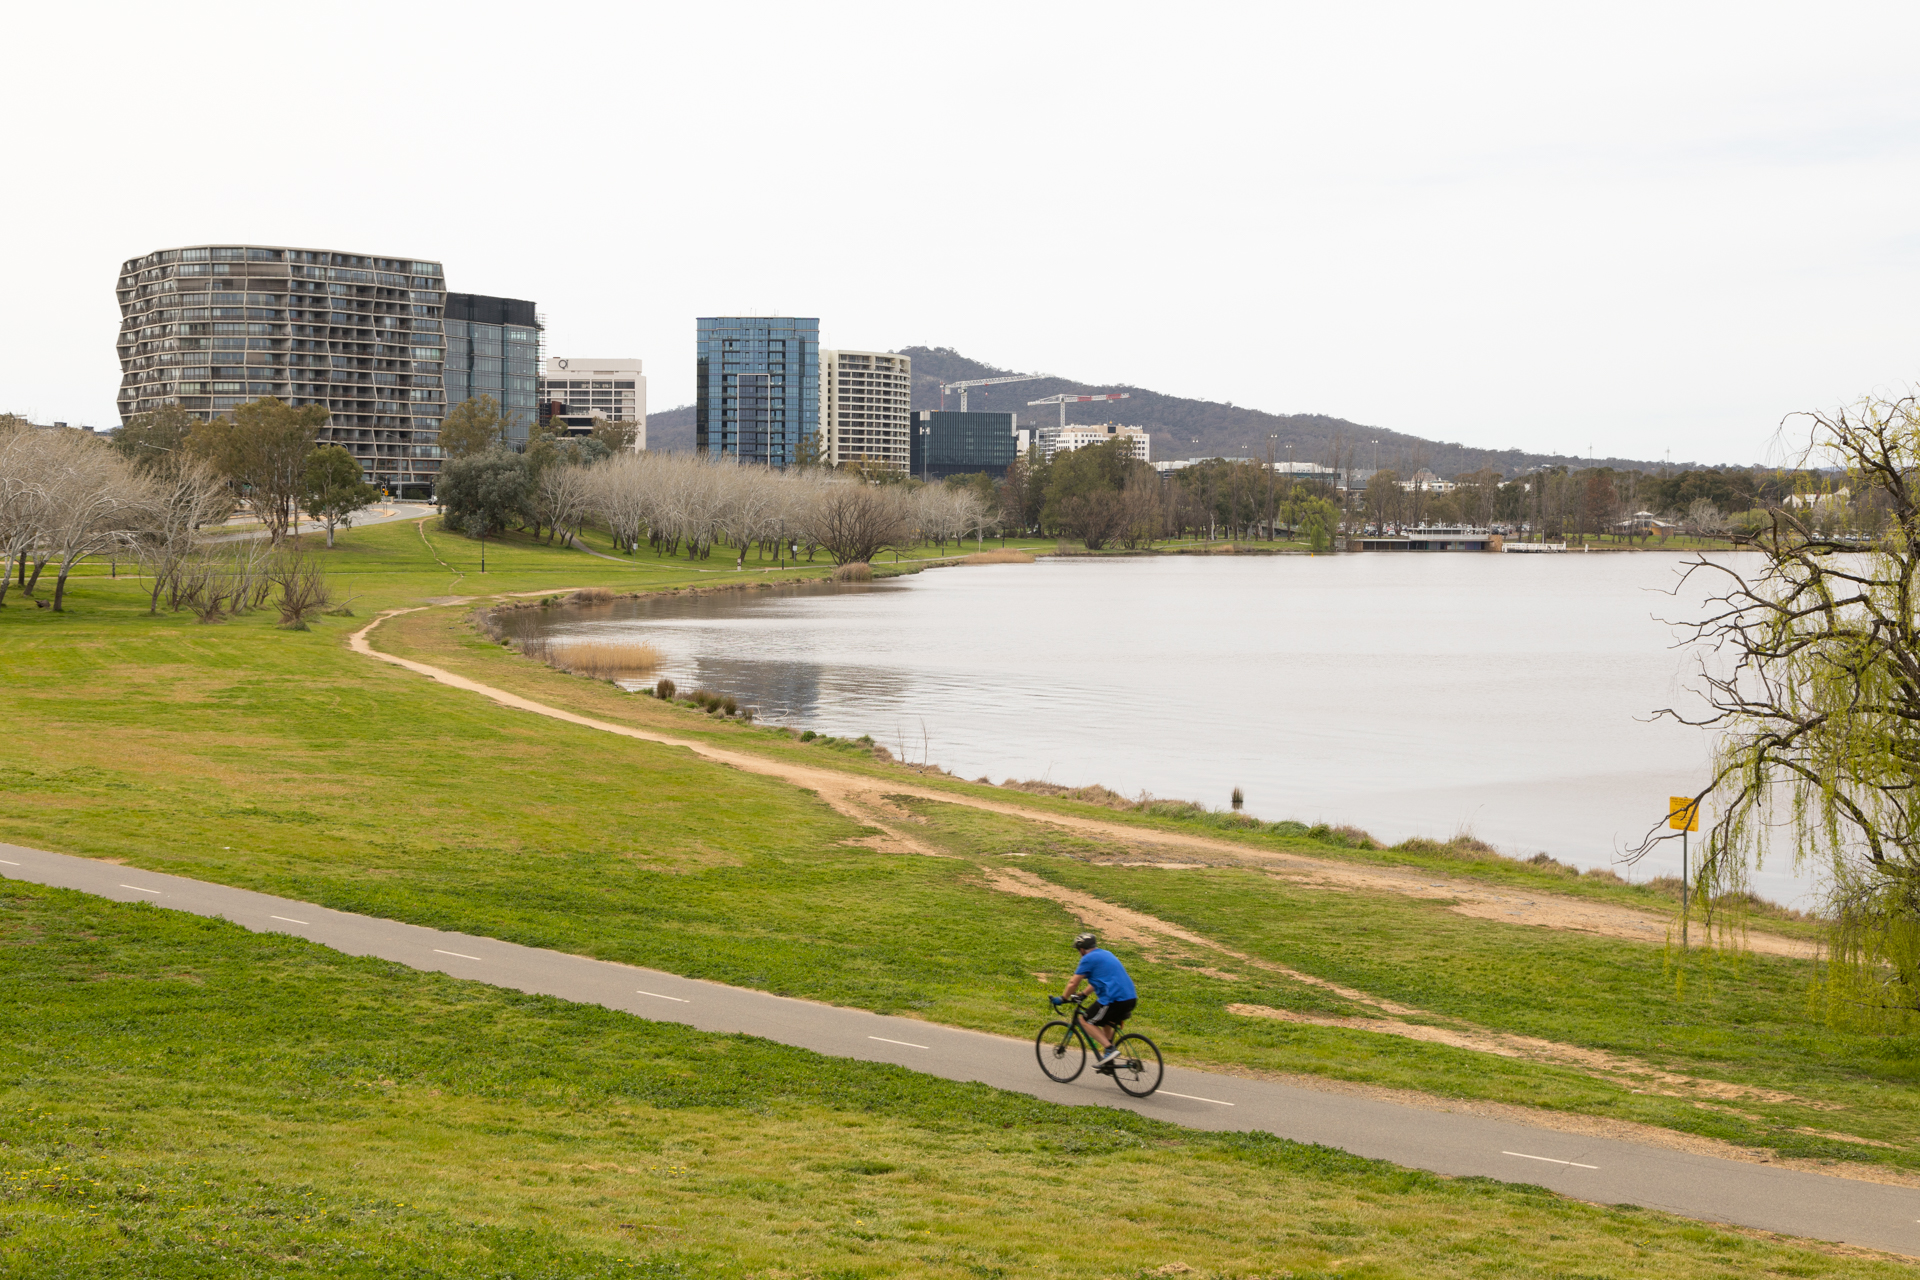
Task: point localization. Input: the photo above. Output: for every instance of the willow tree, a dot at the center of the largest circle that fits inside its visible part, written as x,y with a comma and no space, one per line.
1818,704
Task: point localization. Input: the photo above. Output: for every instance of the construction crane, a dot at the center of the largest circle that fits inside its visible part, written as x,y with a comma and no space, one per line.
961,387
1064,400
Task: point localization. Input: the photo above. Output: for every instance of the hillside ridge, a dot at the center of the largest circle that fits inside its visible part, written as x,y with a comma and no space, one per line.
1185,427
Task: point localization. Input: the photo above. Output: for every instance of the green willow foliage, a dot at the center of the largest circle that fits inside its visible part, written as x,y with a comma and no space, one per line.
1819,712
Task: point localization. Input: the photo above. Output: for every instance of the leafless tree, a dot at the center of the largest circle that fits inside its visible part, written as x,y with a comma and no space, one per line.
303,588
181,499
27,465
855,521
562,496
93,502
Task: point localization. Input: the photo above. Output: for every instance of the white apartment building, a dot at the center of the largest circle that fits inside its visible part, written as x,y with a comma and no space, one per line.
583,391
1058,440
866,402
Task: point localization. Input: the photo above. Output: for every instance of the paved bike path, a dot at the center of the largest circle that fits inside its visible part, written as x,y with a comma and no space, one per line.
1598,1169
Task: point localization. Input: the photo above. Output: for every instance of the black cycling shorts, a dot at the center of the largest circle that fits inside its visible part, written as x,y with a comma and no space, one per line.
1111,1015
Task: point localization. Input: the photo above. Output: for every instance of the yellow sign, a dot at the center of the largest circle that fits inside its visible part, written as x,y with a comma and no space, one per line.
1682,813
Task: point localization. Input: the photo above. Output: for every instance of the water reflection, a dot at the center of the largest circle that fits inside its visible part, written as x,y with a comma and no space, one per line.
1407,695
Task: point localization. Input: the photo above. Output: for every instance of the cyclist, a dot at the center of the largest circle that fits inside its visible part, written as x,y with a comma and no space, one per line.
1102,970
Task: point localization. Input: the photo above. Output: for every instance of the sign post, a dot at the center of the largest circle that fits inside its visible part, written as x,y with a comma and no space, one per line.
1683,815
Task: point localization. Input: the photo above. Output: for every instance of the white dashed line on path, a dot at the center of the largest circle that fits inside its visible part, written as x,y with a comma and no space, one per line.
884,1040
288,919
657,996
1191,1098
137,889
1550,1160
437,951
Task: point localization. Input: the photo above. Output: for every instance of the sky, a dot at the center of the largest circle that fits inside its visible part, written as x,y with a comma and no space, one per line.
1632,229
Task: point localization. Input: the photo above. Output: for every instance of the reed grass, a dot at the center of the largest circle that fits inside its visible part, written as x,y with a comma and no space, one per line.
597,659
858,571
1004,555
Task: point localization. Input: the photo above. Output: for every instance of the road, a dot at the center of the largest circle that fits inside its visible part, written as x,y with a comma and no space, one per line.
378,513
1607,1171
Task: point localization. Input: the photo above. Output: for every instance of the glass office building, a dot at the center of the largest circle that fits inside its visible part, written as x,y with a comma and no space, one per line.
206,328
950,443
758,397
493,349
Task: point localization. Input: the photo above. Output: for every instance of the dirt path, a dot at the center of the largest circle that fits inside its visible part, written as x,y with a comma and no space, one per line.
1162,941
864,800
873,803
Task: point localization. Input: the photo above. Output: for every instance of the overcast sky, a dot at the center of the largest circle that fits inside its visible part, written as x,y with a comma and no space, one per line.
1631,227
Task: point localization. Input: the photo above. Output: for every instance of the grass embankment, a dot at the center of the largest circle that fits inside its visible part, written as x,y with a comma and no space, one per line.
281,761
184,1098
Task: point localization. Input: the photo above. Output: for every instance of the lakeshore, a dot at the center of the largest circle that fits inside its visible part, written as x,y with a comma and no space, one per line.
287,763
1404,697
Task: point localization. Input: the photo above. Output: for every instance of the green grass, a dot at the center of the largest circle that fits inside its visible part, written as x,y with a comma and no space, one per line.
1741,1019
180,1098
280,761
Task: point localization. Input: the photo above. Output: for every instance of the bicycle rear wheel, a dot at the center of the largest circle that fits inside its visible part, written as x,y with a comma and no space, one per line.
1136,1066
1062,1053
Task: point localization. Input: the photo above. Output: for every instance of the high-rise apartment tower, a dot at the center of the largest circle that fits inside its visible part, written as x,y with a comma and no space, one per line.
210,327
493,349
866,398
758,398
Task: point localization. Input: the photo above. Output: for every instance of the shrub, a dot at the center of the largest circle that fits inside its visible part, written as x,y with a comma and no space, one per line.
728,705
858,571
808,736
664,689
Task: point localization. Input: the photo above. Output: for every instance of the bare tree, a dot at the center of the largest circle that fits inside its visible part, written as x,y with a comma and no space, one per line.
623,497
94,502
304,592
26,469
562,496
180,499
856,521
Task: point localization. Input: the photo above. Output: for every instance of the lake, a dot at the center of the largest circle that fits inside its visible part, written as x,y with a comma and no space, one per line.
1507,696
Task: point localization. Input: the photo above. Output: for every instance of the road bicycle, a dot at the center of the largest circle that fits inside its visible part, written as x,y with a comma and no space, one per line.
1062,1048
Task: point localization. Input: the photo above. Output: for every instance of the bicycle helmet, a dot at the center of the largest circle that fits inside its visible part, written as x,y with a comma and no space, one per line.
1085,942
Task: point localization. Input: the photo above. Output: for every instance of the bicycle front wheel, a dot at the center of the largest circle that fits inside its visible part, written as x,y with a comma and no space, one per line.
1062,1053
1136,1066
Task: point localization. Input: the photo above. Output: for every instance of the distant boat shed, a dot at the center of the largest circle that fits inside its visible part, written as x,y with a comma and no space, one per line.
1425,538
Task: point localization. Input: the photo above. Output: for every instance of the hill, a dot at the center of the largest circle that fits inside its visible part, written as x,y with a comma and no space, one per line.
1186,428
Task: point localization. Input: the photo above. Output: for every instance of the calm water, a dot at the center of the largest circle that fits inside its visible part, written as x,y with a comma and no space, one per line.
1407,695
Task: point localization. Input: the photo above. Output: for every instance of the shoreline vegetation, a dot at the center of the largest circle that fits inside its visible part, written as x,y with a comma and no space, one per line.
231,1073
616,661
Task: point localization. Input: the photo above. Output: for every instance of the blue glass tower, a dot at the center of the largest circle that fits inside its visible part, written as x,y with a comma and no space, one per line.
759,389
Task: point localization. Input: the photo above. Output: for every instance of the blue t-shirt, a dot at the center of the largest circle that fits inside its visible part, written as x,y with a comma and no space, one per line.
1109,977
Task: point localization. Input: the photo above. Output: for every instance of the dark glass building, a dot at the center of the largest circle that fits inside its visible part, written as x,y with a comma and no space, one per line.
759,390
493,349
950,443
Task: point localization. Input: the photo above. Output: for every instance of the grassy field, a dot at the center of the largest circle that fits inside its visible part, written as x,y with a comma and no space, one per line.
281,761
185,1099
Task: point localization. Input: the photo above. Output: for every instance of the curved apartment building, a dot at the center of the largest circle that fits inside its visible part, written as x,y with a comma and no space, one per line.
210,327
